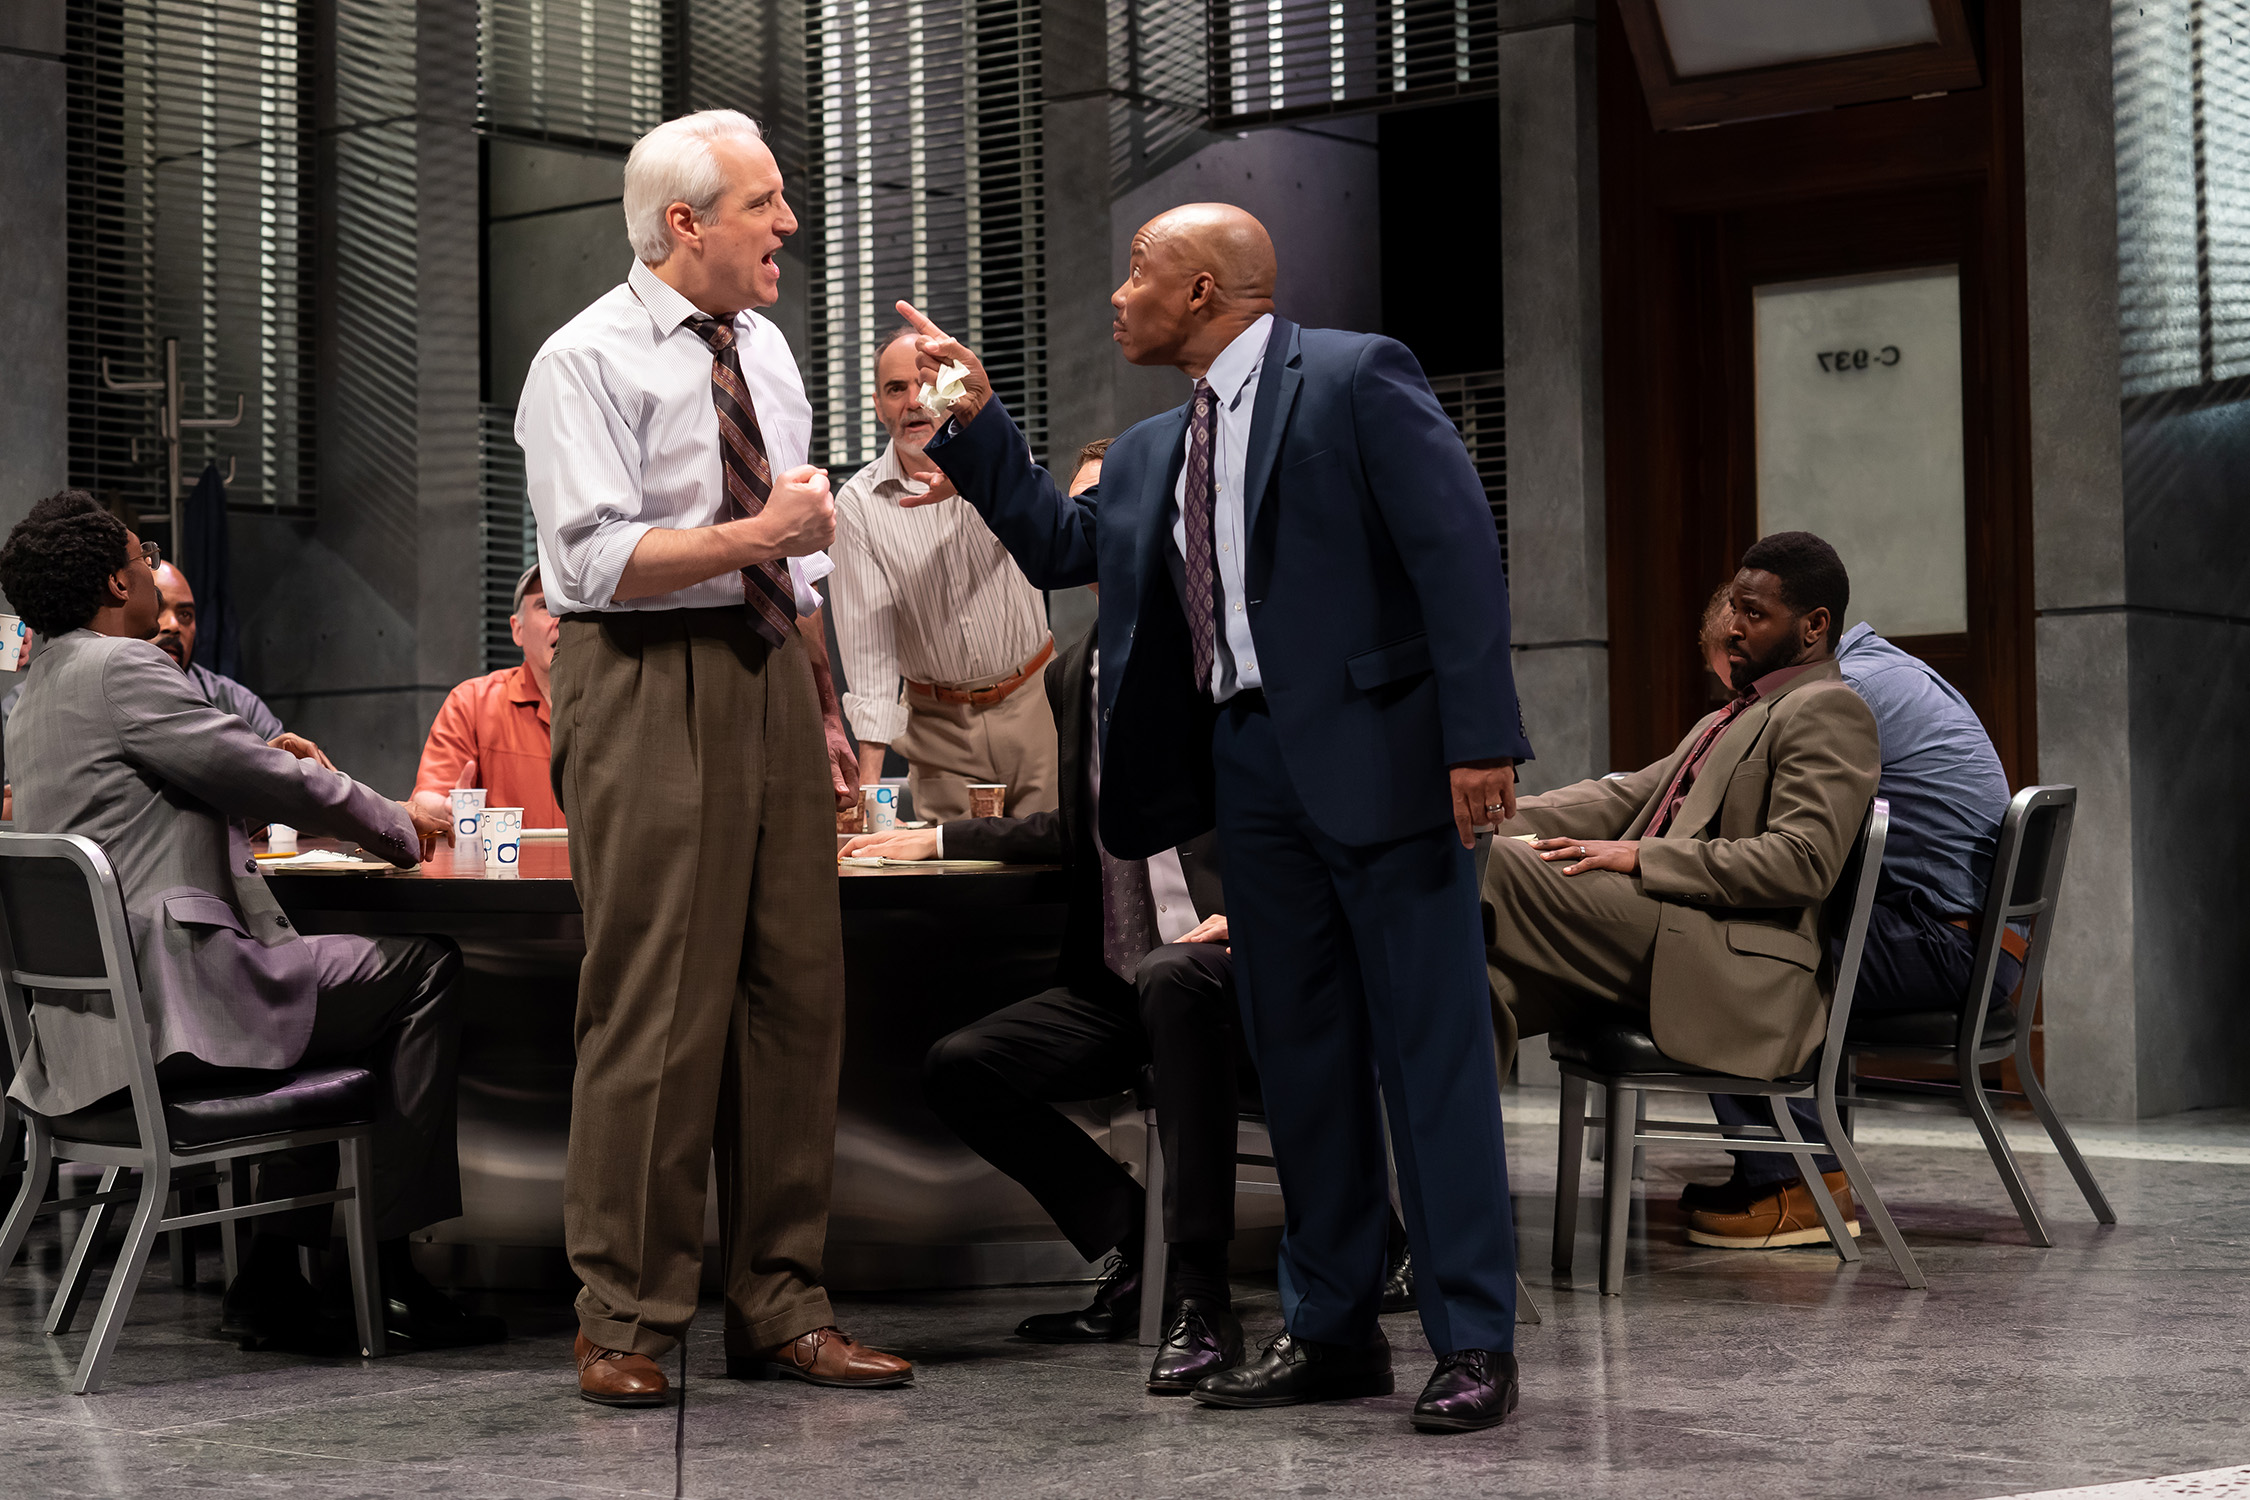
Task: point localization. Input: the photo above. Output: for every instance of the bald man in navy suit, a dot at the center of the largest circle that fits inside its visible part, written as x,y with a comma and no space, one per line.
1304,641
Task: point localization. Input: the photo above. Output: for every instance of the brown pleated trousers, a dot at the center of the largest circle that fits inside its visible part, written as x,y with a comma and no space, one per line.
690,762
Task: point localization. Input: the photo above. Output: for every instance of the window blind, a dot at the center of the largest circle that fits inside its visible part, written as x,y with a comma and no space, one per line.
1286,59
1160,86
2181,85
582,71
924,182
190,215
1478,407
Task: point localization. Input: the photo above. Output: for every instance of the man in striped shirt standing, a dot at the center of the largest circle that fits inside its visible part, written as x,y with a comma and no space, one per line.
939,629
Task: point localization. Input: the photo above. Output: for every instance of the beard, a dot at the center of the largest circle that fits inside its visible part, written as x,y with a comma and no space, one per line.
1749,669
171,645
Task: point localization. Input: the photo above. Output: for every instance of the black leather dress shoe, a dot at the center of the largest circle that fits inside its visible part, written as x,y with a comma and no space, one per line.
1294,1370
1115,1313
279,1311
1472,1389
1202,1339
1398,1283
419,1316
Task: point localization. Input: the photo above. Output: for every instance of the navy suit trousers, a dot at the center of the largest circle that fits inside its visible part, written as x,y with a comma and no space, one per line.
1361,968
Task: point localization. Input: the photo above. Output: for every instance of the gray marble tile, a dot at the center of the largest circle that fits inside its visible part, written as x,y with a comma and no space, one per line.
2115,1354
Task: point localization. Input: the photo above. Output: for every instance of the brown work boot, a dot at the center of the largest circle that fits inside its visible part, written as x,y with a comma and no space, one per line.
1785,1216
825,1356
615,1377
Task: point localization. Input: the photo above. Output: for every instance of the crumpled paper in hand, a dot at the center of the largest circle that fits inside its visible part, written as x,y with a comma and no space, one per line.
951,384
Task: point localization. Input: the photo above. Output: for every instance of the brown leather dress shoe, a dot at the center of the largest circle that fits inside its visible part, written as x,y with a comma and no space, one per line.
615,1377
825,1356
1787,1216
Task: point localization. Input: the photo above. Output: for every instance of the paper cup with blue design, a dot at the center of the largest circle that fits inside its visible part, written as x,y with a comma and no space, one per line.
500,832
15,639
468,810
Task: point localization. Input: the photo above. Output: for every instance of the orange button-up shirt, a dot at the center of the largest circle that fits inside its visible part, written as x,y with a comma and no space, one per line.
500,722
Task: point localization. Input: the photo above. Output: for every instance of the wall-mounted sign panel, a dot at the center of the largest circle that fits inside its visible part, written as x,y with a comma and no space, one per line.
1705,62
1860,436
1726,36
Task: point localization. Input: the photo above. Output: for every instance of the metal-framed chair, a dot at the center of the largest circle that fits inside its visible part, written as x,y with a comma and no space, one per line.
1616,1054
64,944
2027,871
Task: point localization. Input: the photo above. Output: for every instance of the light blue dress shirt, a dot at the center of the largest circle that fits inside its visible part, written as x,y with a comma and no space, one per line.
1940,772
1234,381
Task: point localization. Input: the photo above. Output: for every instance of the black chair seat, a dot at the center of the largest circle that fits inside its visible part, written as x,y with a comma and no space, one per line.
1613,1047
1616,1048
1930,1028
235,1107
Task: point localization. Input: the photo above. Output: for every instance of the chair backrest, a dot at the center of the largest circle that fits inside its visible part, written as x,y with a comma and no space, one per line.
2027,872
62,929
1849,909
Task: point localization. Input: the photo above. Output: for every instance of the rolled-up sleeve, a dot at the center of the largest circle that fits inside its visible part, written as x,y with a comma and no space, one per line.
866,628
581,460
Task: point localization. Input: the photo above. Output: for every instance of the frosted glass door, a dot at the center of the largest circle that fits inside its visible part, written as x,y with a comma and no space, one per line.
1859,436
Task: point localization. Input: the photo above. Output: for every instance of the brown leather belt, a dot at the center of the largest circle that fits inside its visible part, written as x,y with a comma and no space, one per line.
2011,941
985,697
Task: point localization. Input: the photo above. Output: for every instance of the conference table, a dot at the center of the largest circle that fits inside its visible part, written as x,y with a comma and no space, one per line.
927,949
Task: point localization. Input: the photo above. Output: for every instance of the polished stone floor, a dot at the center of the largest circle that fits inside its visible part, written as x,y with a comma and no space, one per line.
2116,1355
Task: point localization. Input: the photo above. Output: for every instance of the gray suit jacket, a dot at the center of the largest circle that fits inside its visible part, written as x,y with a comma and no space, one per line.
112,741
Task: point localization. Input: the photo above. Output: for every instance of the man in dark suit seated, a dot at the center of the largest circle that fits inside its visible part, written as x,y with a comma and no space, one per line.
113,742
1145,976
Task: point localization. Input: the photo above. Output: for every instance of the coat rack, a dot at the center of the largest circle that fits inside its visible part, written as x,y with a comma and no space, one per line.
170,425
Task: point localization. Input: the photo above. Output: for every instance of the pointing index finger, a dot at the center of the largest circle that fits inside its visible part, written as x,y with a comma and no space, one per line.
928,329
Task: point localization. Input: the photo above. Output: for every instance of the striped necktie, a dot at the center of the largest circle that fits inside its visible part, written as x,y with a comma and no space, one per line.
1200,562
742,448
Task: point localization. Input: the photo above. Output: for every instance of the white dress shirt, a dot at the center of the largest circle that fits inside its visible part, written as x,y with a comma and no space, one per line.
1167,879
619,435
925,593
1233,378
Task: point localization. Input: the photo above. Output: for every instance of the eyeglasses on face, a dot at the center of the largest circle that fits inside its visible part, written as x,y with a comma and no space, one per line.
151,554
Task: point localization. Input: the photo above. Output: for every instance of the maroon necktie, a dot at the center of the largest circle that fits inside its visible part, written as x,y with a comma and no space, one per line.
1683,780
742,447
1200,563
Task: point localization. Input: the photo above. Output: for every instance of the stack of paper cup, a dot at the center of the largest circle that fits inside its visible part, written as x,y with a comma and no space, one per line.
500,832
468,809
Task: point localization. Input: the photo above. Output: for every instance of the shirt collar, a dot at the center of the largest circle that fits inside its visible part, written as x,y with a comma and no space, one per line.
667,309
888,477
1239,361
1774,681
521,689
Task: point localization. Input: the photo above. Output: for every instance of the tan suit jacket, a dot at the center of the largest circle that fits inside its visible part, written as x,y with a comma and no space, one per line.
1738,982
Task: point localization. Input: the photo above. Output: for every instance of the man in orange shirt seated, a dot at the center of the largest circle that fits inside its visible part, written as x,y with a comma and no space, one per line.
496,726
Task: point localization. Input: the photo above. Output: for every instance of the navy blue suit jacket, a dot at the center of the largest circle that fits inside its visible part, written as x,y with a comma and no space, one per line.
1375,591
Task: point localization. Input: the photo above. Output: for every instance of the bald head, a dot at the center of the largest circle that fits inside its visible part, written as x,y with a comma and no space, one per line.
175,621
1201,274
1225,241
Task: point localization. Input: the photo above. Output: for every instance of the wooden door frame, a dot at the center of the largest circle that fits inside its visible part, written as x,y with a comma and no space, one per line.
1692,219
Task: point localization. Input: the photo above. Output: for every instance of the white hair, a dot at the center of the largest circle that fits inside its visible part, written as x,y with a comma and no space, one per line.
674,164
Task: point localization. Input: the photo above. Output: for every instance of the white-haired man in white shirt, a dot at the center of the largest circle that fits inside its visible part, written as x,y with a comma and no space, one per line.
696,744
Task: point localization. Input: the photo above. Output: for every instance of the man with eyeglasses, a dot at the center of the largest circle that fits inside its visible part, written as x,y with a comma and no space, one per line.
175,637
112,743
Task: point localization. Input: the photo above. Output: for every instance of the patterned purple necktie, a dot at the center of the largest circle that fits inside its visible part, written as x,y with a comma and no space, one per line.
742,447
1128,928
1200,561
